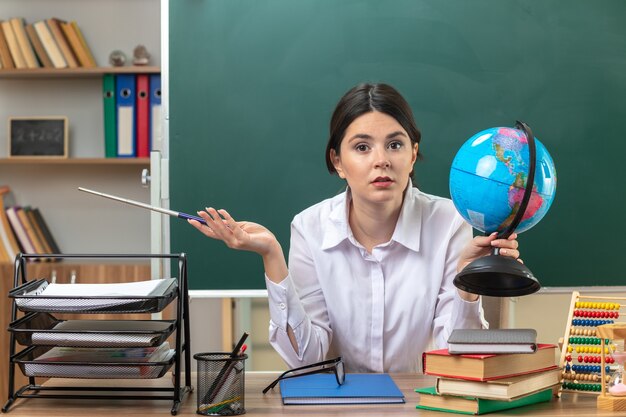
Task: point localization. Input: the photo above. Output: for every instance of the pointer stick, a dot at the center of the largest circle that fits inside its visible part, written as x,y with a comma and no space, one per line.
146,206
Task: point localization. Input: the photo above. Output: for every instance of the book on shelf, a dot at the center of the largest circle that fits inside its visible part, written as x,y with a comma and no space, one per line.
492,341
14,48
356,389
45,231
483,367
7,237
40,51
81,37
49,44
77,46
23,229
54,24
18,25
29,229
5,53
38,232
430,400
504,389
54,247
26,246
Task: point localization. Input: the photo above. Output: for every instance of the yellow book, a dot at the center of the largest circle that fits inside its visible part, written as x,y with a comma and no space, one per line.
79,33
5,53
76,45
14,47
17,23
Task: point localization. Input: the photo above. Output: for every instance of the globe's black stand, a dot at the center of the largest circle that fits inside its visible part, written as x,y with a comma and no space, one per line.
502,276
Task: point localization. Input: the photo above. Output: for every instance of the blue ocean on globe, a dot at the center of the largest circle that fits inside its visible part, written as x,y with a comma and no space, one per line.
488,179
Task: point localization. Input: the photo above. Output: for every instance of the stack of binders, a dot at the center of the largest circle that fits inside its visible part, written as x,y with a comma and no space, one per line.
489,380
132,114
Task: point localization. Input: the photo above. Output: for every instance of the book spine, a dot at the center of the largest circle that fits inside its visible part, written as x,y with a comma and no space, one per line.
11,244
5,53
46,231
14,47
20,231
55,28
79,33
37,231
38,46
28,228
50,44
76,45
22,40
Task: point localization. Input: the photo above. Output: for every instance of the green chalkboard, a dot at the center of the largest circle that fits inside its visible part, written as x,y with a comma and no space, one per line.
253,84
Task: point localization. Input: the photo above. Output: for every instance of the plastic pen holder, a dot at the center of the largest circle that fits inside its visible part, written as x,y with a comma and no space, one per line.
221,384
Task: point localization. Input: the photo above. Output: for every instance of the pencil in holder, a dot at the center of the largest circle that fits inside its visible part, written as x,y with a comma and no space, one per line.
221,383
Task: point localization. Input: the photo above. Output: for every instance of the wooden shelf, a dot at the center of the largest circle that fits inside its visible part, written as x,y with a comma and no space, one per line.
74,161
75,72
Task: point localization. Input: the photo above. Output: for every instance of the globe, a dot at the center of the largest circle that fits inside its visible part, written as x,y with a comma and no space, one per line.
502,180
488,180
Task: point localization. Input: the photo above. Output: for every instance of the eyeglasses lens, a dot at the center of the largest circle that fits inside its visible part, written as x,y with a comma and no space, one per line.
341,374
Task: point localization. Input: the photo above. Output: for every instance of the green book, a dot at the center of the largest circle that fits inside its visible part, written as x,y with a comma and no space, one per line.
110,135
430,400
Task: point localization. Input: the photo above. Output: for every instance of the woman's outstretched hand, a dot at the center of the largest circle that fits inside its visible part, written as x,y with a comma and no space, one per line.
244,235
236,235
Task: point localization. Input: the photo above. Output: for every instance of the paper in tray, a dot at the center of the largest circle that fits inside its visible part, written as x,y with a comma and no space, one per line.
43,329
30,366
131,297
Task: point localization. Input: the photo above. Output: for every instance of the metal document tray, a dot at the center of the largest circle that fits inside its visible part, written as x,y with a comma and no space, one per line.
28,298
31,367
43,329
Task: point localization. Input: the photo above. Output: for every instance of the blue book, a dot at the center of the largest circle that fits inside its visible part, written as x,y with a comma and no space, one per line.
357,389
125,115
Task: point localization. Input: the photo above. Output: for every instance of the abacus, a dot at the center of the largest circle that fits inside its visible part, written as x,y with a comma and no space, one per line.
582,367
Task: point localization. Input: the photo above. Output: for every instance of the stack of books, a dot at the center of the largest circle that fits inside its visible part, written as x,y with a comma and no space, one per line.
48,43
488,380
23,229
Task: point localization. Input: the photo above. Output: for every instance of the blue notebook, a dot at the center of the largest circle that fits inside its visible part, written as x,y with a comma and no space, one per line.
357,389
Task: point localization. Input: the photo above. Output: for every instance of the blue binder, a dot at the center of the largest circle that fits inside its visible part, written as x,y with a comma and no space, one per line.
126,118
156,134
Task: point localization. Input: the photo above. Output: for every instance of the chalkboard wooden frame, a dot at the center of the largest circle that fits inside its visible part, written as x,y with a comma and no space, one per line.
48,137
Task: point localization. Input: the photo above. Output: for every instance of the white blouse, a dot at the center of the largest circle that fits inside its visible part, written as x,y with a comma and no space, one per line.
379,311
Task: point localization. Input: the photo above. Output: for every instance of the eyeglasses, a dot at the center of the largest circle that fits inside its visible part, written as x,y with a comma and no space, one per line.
335,365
